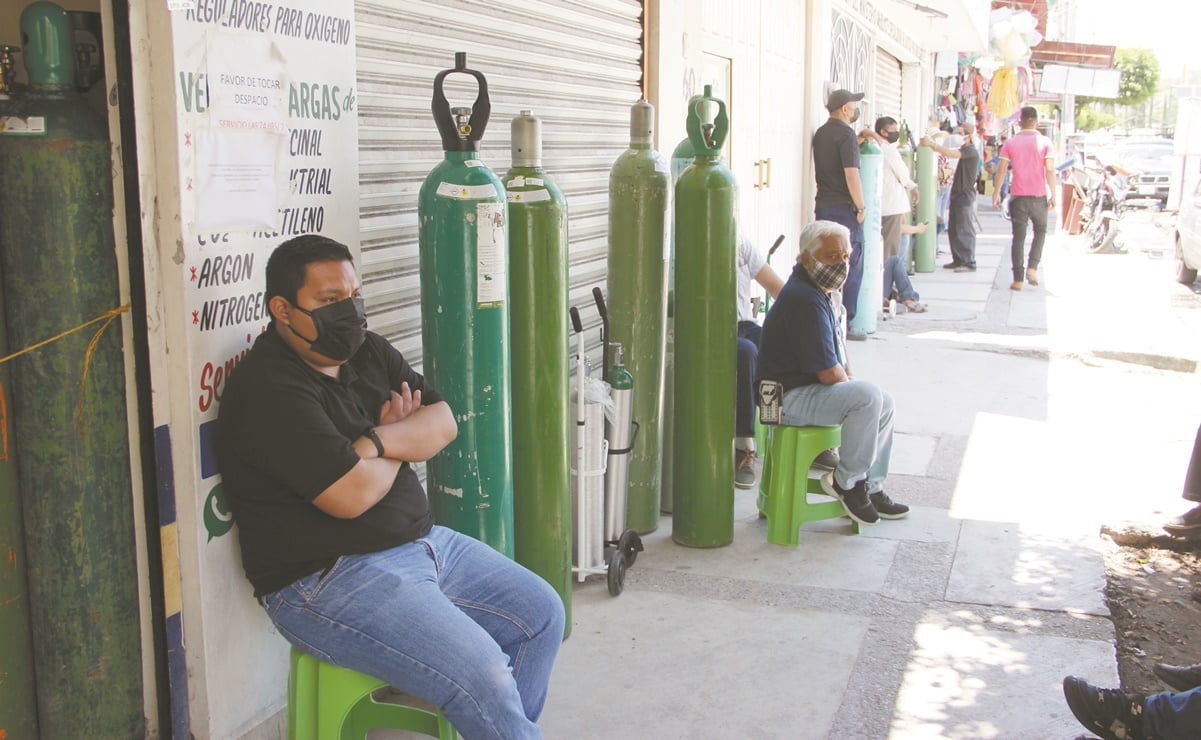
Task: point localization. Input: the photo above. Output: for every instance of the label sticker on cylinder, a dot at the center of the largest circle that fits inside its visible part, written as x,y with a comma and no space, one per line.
529,196
466,192
473,163
491,280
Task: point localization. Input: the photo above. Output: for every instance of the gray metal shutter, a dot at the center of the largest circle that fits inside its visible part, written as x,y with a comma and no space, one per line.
887,87
576,64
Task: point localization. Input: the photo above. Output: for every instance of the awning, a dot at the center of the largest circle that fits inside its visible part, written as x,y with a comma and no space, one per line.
942,25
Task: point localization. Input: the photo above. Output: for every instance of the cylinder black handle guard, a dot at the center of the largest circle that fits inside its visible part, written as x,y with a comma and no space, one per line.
454,140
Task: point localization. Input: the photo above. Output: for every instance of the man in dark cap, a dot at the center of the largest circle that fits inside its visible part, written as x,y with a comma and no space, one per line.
839,189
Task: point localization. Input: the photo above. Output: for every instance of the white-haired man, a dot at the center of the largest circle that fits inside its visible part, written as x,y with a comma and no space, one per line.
802,349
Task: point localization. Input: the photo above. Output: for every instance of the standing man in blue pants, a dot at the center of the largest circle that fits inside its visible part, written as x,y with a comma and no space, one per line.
839,189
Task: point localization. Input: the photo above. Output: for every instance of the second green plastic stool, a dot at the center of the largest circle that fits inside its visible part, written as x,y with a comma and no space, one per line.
785,485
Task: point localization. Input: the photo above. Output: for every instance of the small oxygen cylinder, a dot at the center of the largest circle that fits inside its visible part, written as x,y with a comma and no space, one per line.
621,432
463,246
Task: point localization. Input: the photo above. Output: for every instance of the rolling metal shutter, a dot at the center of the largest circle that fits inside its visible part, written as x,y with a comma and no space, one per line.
887,87
576,64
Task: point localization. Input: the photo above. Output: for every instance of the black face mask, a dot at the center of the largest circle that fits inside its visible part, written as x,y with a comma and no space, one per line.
854,116
341,328
893,136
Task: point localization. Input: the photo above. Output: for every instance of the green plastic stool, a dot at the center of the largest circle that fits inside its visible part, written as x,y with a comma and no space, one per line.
326,702
785,485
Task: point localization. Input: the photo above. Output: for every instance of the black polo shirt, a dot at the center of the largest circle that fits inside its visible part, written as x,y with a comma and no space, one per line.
800,334
963,185
835,148
285,435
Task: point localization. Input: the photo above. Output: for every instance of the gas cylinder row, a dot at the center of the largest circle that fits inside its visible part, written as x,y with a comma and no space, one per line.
494,284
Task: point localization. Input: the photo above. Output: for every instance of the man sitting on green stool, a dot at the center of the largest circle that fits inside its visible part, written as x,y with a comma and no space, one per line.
321,422
802,348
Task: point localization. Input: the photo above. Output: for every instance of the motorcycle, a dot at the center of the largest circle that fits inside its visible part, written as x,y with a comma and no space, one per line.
1104,195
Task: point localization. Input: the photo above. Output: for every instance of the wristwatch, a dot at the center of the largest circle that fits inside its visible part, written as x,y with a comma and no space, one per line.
860,210
370,434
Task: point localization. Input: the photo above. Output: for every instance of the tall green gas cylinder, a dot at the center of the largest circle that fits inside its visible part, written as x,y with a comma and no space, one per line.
463,237
59,263
18,710
706,323
538,330
926,244
639,251
871,291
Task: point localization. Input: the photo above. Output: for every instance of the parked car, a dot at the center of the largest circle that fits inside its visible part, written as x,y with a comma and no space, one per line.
1188,237
1152,161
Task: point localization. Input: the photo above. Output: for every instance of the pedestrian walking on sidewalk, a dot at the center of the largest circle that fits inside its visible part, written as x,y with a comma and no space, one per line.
1030,156
839,188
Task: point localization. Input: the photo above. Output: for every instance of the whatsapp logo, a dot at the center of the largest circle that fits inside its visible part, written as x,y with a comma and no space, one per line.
217,519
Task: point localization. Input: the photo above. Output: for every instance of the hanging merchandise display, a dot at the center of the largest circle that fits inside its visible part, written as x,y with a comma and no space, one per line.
871,291
463,247
538,330
639,255
706,321
70,425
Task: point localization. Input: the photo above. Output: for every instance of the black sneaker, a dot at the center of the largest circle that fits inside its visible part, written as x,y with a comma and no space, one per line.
826,460
1110,713
744,469
887,508
1180,678
951,265
1187,524
855,501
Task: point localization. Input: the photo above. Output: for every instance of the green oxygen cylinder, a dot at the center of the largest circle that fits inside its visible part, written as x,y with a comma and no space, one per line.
463,247
871,170
926,244
681,158
59,263
639,252
705,328
538,330
18,710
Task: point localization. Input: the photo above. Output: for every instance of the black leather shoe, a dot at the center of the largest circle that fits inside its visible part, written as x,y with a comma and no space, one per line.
1181,678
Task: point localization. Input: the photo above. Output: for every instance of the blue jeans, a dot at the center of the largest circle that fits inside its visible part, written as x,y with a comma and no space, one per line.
844,213
444,618
865,412
896,277
1173,716
748,364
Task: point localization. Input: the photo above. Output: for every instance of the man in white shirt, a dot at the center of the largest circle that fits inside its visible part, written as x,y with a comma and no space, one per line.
897,186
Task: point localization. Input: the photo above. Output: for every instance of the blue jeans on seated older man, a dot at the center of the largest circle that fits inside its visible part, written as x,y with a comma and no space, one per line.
865,412
444,618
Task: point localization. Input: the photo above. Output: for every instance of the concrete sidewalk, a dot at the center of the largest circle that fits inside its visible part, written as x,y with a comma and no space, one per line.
960,621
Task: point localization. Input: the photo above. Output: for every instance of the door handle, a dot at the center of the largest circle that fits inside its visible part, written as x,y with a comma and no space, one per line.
759,174
767,180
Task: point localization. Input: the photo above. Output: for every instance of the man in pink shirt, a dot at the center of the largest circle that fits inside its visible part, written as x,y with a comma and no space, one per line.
1030,157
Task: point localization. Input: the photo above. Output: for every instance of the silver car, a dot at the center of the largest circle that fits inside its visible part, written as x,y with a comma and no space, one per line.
1188,237
1151,161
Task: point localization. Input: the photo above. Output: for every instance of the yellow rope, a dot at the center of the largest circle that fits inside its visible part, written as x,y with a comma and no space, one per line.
107,317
